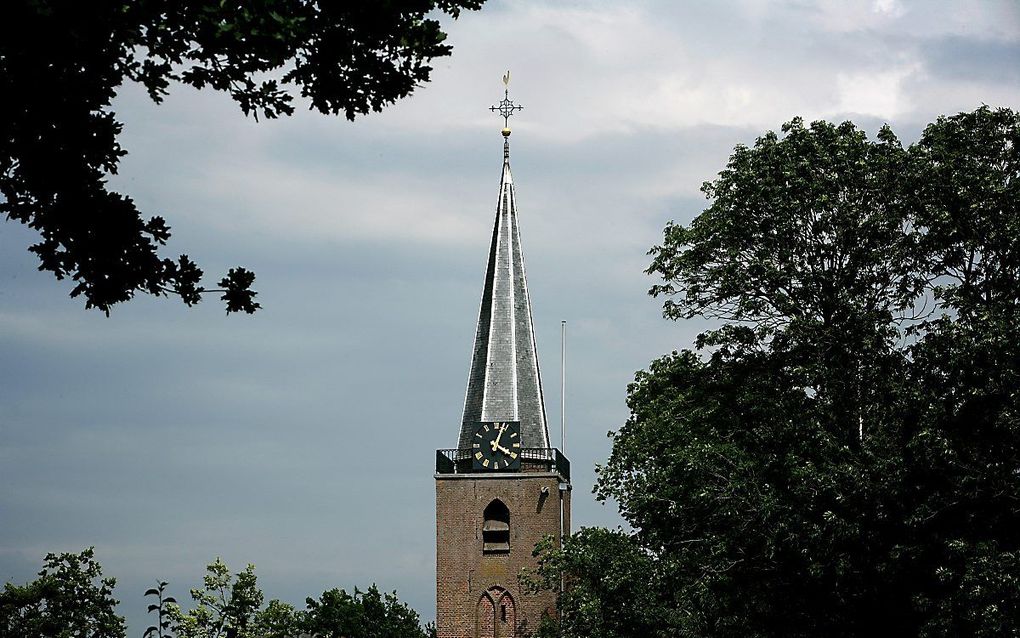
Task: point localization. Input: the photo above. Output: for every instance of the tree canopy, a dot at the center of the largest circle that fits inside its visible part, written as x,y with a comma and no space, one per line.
227,606
62,62
70,598
231,606
363,614
841,456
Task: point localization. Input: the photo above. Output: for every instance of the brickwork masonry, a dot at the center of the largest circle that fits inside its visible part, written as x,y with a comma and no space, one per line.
464,573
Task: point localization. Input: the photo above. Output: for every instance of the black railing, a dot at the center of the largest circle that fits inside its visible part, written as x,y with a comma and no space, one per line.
533,459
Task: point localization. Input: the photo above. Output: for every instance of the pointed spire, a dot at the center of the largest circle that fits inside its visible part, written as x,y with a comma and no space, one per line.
504,383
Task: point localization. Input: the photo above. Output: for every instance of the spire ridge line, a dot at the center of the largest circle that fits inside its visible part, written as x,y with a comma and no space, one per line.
504,382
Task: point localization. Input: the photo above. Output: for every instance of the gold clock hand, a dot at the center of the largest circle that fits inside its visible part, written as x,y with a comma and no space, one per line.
495,444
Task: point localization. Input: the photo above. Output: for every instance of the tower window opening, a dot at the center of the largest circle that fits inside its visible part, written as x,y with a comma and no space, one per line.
496,529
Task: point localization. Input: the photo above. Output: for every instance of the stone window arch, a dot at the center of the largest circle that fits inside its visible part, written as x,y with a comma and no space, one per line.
496,528
497,614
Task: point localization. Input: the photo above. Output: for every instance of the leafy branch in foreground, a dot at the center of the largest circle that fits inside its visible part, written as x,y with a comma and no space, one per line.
62,63
162,609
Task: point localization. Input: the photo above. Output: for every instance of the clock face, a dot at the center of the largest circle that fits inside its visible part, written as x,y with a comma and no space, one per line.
497,446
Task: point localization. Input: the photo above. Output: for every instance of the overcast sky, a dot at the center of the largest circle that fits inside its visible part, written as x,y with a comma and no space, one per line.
302,439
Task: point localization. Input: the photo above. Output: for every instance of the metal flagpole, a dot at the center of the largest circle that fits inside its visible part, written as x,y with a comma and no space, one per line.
563,428
563,387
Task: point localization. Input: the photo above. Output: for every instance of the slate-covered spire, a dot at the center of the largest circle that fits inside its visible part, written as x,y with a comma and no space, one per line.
504,383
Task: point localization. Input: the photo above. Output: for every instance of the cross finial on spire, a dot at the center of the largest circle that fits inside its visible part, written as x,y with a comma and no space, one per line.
506,107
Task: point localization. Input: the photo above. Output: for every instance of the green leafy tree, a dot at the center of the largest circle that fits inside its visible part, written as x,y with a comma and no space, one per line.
70,598
806,249
610,589
231,607
841,457
962,420
63,61
363,614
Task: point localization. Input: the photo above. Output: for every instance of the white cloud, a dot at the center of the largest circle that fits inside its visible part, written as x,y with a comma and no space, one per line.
323,206
892,8
881,94
585,69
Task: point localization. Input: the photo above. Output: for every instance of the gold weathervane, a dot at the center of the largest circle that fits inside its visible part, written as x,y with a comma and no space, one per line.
506,107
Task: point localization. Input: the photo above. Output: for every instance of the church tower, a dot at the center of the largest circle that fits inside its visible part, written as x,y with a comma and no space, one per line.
503,488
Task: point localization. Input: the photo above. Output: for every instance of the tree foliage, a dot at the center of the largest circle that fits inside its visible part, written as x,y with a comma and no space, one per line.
162,609
70,598
363,614
842,457
63,61
604,568
805,247
231,606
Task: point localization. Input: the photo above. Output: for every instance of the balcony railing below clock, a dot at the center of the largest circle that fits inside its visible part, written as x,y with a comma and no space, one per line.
533,459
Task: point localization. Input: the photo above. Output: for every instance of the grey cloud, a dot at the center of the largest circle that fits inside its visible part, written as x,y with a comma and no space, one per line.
957,58
168,436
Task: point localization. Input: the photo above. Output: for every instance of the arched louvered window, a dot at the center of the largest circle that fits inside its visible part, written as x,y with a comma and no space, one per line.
496,529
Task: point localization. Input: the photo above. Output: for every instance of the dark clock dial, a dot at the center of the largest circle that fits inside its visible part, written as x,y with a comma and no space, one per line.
497,446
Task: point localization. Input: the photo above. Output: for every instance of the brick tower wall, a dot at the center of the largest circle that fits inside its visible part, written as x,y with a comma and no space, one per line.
464,573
